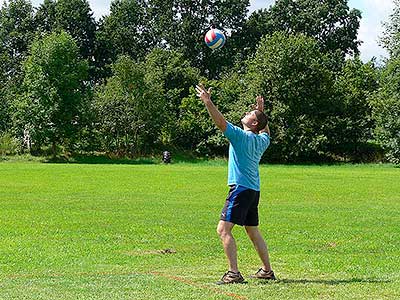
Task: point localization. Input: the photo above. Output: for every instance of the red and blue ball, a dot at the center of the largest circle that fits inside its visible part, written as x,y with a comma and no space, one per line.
215,39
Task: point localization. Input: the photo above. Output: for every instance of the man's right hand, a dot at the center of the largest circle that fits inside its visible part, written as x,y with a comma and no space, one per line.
202,93
216,116
260,103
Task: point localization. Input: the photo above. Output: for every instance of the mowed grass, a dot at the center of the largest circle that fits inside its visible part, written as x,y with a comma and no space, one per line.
76,231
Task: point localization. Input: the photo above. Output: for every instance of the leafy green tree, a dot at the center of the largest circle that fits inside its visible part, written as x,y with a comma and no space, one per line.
355,85
292,74
74,17
196,132
4,106
176,77
134,28
5,119
46,16
330,22
17,30
129,109
391,37
8,90
181,25
125,31
386,101
386,110
51,105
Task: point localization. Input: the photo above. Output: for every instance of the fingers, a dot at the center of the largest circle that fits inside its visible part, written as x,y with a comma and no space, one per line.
201,86
260,103
201,90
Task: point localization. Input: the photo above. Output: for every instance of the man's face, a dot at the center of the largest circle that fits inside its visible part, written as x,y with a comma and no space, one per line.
249,119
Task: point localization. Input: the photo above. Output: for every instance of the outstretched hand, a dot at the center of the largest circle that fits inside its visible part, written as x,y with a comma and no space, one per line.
260,103
215,114
202,93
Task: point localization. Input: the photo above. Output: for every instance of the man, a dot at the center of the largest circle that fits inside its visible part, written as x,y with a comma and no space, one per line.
246,147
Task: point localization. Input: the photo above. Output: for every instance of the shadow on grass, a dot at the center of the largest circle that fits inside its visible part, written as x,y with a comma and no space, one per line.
105,159
332,281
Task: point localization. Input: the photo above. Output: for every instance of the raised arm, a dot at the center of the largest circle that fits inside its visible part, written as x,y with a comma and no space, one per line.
259,103
215,114
260,106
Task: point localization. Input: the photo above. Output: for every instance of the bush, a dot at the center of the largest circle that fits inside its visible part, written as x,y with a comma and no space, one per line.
9,145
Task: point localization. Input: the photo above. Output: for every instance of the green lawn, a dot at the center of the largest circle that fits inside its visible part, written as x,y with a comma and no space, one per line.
80,231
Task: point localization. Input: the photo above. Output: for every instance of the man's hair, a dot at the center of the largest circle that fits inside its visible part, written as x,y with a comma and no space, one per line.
262,120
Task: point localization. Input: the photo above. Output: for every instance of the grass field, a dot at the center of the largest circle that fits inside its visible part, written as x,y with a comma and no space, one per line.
109,231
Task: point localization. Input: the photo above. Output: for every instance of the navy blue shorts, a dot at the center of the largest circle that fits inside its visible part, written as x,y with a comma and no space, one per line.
241,206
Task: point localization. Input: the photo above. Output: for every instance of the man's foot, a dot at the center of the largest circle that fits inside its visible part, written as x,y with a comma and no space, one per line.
262,274
231,277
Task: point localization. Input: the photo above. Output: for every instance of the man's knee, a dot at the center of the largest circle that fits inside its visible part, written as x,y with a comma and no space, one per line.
224,230
252,232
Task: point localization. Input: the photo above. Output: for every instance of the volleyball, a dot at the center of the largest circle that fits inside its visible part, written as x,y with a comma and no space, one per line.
215,39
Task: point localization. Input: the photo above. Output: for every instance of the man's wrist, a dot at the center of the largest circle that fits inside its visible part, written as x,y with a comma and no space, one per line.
208,101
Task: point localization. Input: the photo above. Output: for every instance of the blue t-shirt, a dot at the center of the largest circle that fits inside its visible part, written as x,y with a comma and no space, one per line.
245,151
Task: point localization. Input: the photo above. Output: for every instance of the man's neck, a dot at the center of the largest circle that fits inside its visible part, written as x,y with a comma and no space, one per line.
246,128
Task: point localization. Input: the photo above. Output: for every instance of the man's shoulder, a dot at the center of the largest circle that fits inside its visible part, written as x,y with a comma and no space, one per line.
264,135
265,139
232,126
232,131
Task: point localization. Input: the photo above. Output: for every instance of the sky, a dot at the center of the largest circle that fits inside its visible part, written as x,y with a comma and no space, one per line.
374,12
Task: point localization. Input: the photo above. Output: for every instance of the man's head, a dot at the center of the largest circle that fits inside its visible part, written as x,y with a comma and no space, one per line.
255,120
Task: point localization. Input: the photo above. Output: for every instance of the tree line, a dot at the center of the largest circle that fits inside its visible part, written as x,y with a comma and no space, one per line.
124,84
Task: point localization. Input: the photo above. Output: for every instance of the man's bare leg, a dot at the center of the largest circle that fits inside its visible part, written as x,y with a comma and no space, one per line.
259,244
224,231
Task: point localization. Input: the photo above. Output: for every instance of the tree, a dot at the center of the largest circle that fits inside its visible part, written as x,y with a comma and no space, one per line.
129,109
330,22
125,31
386,101
176,76
196,131
181,25
135,28
354,86
5,119
74,17
292,74
17,30
46,16
386,110
391,36
4,105
51,104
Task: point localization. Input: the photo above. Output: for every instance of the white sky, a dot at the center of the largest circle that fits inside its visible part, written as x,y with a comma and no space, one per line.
374,12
